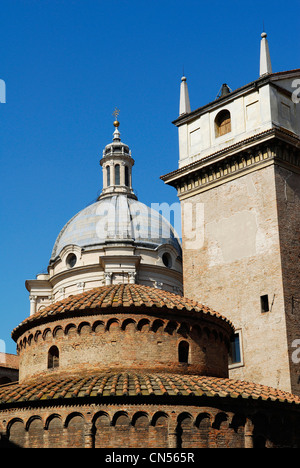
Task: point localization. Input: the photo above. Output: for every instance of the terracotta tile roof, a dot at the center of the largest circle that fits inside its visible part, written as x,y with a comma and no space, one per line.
125,296
133,384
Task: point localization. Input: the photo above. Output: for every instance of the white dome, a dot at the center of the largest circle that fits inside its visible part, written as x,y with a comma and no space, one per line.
116,219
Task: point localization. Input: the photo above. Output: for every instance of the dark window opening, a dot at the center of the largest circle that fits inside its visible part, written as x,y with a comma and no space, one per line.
71,260
264,302
117,174
126,176
183,352
53,357
167,260
108,176
235,350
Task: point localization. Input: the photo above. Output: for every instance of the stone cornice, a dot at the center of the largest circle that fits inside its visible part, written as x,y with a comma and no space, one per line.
274,146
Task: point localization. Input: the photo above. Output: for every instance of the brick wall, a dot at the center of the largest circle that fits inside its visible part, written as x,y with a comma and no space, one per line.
149,426
127,341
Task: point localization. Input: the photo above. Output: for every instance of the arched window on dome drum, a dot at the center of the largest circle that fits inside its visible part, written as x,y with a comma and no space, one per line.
183,352
53,357
108,176
117,174
222,123
126,176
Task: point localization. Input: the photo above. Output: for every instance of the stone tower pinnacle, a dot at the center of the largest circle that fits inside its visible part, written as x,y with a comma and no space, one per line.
265,58
184,106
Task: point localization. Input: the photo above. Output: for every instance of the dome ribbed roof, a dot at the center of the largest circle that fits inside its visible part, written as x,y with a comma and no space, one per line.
116,219
120,296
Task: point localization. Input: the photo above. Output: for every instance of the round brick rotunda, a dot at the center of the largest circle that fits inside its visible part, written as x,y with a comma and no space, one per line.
130,366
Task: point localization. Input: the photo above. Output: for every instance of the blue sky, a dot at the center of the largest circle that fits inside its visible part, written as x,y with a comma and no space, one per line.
67,64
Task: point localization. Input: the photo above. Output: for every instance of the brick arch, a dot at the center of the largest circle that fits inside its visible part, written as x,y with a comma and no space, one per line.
185,418
121,430
222,433
157,325
16,432
203,423
203,417
84,328
70,416
31,420
102,417
140,432
35,429
30,339
171,327
144,324
57,332
238,420
112,323
98,326
74,424
51,418
47,334
101,430
129,323
141,419
37,335
70,329
184,429
237,426
54,425
121,418
220,419
23,343
160,418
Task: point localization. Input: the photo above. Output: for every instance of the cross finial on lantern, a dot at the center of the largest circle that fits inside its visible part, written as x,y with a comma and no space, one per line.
116,113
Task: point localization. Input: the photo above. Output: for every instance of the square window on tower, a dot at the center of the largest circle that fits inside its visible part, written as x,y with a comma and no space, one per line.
264,303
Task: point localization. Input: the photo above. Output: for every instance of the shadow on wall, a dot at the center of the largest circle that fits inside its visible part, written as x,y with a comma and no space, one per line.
5,443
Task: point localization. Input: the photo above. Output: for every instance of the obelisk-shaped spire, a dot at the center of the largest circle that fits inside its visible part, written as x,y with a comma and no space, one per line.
265,59
184,106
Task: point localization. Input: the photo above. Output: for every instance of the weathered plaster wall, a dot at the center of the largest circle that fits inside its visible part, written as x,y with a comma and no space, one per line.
236,261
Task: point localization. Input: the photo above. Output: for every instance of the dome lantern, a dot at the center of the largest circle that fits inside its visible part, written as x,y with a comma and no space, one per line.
117,166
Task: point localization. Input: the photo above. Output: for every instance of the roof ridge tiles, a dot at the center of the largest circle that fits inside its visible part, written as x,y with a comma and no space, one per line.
115,296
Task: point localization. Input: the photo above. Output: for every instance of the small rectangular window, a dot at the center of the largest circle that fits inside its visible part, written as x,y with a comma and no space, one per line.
235,350
264,303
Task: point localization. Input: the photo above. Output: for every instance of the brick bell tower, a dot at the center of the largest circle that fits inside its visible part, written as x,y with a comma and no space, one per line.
238,182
